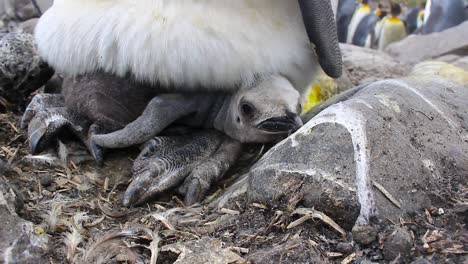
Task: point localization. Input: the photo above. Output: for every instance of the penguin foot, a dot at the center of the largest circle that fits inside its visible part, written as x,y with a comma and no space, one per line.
192,161
41,102
45,118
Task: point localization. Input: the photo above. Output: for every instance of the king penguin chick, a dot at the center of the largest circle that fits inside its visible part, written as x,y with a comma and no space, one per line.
362,11
343,18
442,14
393,29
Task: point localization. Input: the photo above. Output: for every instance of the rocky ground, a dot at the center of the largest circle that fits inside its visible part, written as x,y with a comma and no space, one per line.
60,207
76,209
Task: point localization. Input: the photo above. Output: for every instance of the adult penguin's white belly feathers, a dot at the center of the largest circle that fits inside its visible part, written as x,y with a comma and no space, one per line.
186,44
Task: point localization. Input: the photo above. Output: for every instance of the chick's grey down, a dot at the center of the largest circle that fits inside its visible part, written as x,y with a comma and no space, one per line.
124,89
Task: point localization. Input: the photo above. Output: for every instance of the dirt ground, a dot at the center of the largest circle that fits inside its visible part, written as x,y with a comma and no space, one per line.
77,205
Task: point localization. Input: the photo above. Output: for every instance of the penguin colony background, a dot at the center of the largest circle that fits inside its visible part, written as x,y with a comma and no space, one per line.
377,24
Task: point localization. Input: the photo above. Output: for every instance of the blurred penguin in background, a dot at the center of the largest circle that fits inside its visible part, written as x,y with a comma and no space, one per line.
367,31
393,29
343,18
363,10
420,21
378,26
466,10
440,15
415,18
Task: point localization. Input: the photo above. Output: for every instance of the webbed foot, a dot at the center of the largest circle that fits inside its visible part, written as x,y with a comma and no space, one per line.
195,161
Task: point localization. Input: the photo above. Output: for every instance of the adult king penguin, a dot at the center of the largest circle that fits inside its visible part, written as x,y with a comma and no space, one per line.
442,14
392,29
415,18
343,18
367,31
420,20
234,66
378,26
466,10
363,10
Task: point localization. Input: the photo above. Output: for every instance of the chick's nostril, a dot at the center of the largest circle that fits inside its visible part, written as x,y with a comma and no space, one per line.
295,120
299,108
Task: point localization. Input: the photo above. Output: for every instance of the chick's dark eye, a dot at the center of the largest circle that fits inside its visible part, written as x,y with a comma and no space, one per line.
247,109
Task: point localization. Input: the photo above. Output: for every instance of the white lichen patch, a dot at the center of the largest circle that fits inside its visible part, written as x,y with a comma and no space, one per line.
388,102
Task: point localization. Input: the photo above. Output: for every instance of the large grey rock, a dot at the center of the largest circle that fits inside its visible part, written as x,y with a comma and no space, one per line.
407,136
14,12
28,26
22,71
24,9
20,9
462,62
455,60
364,65
44,4
417,48
20,241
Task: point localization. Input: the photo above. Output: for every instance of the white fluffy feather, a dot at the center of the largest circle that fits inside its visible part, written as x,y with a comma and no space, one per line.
185,43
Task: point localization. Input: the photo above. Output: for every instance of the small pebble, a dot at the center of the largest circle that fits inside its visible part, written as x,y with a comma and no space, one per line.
52,188
364,234
345,247
46,180
398,244
440,211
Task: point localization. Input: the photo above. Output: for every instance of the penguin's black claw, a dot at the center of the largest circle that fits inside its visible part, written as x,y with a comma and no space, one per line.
44,127
97,153
195,160
196,191
36,131
46,117
43,118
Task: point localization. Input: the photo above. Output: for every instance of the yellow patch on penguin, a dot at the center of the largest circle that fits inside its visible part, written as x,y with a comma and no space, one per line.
313,97
365,8
394,20
321,90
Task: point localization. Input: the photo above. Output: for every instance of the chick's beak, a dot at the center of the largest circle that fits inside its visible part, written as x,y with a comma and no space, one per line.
288,123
